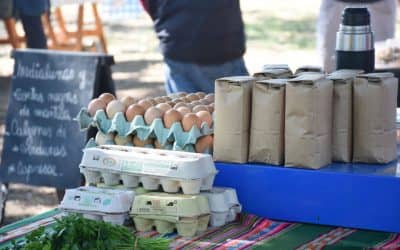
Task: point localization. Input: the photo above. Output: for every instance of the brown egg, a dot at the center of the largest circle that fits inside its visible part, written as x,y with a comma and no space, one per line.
206,117
186,100
134,110
145,104
96,104
114,107
204,143
183,110
192,97
209,98
190,120
164,107
204,101
195,103
152,101
210,108
181,94
199,108
102,139
107,97
159,100
128,100
200,94
167,98
171,103
122,140
151,114
171,116
180,104
139,143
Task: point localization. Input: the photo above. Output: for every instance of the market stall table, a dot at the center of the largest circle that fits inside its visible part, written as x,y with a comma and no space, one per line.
247,231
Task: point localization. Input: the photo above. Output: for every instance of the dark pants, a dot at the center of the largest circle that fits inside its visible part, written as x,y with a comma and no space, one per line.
34,32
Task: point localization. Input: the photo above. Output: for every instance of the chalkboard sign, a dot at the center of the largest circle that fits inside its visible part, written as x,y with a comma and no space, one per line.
42,142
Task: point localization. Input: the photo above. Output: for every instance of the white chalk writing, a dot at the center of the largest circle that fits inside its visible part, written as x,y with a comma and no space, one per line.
28,95
28,130
27,169
37,71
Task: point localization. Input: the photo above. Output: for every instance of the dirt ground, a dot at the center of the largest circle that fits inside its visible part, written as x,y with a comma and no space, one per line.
277,32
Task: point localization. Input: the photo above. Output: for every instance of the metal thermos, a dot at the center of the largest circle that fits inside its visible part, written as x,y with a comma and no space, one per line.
355,41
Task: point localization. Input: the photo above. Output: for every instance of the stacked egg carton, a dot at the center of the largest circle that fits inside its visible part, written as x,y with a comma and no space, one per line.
189,203
180,122
98,204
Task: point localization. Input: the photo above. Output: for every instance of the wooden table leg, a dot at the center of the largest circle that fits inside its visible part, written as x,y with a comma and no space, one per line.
99,28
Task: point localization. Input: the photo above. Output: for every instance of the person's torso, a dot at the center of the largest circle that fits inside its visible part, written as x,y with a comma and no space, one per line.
202,31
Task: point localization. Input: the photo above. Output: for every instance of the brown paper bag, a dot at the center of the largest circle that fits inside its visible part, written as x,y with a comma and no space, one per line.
232,121
267,122
309,68
308,121
375,101
342,135
273,71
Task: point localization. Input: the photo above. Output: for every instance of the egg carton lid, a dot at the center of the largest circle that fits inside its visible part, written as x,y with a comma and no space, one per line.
170,205
146,161
222,199
97,200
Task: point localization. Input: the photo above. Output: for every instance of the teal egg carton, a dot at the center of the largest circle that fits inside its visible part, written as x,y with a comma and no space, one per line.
174,138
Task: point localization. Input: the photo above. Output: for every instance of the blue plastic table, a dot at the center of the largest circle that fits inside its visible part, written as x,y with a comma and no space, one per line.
362,196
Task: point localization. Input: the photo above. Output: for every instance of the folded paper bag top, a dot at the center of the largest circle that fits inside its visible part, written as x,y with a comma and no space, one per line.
344,74
307,78
308,121
274,83
308,68
375,101
232,118
267,122
273,73
376,77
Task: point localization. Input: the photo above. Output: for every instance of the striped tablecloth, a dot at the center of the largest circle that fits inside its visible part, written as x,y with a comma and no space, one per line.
248,232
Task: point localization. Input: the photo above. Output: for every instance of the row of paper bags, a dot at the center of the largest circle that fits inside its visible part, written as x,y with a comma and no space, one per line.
307,121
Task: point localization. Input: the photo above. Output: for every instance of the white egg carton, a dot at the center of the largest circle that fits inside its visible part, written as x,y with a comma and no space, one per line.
98,204
172,170
224,205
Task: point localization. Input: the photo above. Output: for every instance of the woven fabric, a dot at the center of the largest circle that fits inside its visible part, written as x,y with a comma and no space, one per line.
247,232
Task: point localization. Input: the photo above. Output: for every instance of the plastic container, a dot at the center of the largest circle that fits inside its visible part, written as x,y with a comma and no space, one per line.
224,205
153,168
188,214
93,203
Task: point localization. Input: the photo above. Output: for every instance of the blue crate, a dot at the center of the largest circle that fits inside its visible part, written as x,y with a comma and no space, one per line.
361,196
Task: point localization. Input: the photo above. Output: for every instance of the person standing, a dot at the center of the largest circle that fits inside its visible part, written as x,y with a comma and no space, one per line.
383,22
201,40
30,12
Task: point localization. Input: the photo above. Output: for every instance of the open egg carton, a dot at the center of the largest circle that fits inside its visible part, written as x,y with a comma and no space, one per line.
173,138
188,214
98,204
224,205
172,170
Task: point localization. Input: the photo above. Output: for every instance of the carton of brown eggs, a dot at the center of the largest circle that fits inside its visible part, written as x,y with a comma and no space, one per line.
181,122
98,204
171,170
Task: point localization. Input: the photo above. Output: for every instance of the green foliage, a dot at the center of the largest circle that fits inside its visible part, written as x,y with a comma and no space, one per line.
74,232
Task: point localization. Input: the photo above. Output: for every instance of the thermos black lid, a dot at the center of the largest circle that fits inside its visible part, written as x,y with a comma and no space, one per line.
355,17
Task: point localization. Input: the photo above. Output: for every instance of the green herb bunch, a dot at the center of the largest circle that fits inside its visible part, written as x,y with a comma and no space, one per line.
74,232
